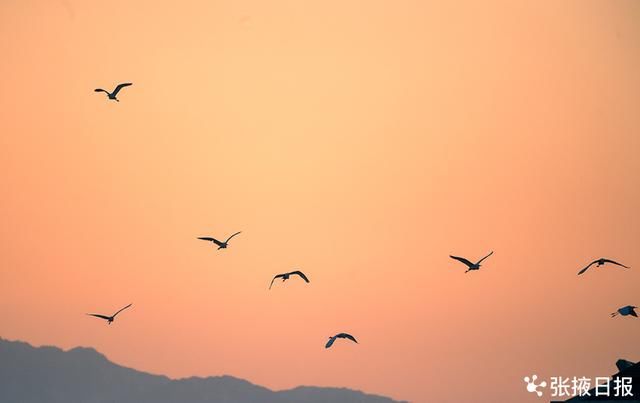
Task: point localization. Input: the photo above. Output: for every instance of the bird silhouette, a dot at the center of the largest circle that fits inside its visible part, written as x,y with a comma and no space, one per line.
111,318
285,276
332,339
221,245
112,95
626,310
470,265
600,262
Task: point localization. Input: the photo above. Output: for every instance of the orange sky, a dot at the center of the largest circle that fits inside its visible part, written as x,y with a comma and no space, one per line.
362,141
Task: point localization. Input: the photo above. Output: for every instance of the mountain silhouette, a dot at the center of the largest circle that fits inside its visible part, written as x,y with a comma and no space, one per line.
83,375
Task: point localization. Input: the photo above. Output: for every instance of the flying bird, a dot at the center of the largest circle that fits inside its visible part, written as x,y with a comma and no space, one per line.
600,262
112,95
339,336
626,310
109,319
470,265
221,245
285,276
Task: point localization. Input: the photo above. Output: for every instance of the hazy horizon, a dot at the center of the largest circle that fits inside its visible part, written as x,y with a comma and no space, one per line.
362,142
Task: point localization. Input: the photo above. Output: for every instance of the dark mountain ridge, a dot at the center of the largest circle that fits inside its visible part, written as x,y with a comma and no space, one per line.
82,375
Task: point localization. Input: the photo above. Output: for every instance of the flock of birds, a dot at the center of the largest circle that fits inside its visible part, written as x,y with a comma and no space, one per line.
283,276
471,266
625,310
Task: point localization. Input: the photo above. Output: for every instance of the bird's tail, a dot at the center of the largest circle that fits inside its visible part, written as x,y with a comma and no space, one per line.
614,314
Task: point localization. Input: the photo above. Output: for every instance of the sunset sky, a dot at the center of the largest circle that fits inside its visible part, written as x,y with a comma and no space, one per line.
360,141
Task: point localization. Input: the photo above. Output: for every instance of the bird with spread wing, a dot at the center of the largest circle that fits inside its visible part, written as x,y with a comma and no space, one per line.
470,265
332,339
285,276
600,262
112,95
111,318
221,245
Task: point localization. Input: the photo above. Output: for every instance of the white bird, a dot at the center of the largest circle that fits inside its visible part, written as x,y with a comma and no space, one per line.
111,318
339,336
112,95
600,262
626,310
285,276
221,245
470,265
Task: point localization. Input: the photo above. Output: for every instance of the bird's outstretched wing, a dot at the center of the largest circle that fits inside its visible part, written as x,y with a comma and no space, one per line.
101,90
347,336
206,238
274,279
301,274
480,261
461,259
330,342
97,315
633,312
614,262
119,87
586,268
114,315
228,239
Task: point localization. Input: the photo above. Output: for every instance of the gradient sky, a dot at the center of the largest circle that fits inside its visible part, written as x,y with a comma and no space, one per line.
361,141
